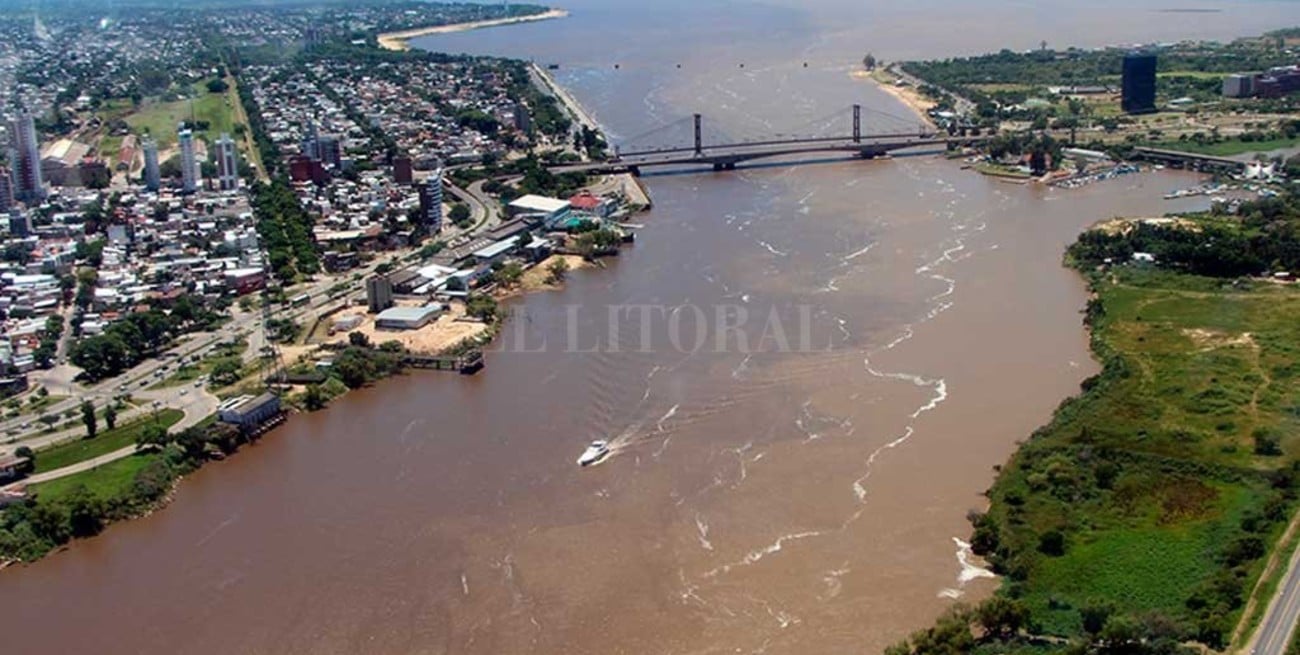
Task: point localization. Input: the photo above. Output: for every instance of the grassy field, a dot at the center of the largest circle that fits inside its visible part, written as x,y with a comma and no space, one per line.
998,170
112,480
1149,491
246,144
1231,147
160,119
106,442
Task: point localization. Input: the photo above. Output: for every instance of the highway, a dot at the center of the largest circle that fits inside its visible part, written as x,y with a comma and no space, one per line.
1274,633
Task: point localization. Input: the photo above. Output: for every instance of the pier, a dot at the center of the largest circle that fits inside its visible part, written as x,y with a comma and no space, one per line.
467,363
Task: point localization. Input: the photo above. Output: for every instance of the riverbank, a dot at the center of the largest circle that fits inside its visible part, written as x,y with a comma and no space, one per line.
908,95
1151,501
399,40
576,111
86,492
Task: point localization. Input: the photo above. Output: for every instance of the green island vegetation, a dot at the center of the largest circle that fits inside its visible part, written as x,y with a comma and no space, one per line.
82,504
1139,519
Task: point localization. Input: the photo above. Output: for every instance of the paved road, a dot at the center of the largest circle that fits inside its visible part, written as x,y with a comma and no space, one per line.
197,406
1274,634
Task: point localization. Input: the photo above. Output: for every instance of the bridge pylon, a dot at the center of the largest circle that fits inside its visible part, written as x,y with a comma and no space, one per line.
699,143
857,123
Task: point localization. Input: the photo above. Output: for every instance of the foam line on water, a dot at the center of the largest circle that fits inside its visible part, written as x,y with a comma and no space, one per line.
968,570
755,556
702,532
771,249
859,252
939,303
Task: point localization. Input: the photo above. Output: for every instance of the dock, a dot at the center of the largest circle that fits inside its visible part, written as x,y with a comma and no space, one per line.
467,363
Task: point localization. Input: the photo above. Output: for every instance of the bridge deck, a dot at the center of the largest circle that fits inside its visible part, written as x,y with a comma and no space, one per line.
728,155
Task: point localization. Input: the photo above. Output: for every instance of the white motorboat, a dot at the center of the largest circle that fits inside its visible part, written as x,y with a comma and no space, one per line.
594,453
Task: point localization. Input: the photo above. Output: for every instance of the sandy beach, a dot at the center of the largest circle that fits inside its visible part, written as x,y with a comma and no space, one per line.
398,40
906,94
538,277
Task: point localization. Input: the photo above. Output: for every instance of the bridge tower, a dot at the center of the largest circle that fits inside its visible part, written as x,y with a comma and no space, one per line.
699,145
857,123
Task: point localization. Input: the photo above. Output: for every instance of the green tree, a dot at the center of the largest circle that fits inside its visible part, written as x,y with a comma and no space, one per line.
110,415
50,522
482,307
152,435
351,371
358,339
510,274
314,398
26,451
1052,543
459,214
557,270
1266,443
1095,614
85,512
226,371
88,418
1002,617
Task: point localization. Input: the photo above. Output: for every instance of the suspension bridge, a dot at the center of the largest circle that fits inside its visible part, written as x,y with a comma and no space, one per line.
694,150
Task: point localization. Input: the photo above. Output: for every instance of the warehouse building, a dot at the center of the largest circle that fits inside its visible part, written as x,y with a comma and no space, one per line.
407,318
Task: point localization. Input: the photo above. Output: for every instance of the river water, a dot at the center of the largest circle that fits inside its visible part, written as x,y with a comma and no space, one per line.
797,484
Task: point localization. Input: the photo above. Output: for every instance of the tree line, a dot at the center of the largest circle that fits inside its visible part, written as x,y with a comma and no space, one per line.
1262,236
286,231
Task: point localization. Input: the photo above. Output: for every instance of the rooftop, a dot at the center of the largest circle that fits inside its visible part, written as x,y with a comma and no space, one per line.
540,204
497,248
408,313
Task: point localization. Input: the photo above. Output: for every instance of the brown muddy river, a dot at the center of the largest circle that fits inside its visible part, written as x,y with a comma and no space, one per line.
795,484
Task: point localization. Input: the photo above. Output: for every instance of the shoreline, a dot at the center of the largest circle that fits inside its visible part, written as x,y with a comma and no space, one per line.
398,40
906,94
570,103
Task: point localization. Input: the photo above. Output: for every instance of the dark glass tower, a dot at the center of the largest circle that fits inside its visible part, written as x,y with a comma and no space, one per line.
1139,83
